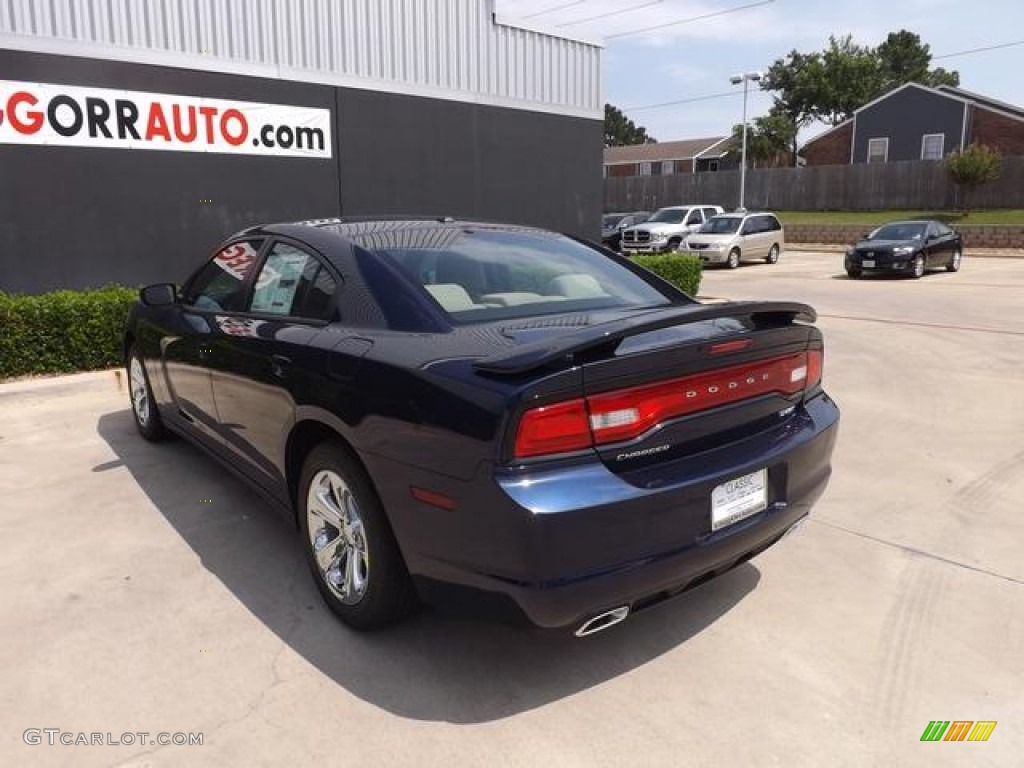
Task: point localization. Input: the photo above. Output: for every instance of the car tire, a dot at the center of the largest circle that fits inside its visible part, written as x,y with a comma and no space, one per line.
673,244
344,531
144,410
733,259
854,274
954,261
917,270
773,254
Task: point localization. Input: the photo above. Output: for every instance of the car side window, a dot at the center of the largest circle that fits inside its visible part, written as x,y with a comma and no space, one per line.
293,283
221,285
942,230
709,212
695,217
749,226
773,224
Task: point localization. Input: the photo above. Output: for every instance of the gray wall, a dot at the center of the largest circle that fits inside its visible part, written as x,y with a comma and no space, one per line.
81,217
908,185
905,117
402,154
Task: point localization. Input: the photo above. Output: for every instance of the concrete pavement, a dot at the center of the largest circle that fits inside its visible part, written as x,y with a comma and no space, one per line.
145,589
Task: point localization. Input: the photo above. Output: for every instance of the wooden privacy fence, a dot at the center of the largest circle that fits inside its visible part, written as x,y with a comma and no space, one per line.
919,184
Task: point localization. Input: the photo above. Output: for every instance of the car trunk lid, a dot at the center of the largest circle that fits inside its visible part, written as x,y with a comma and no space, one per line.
660,385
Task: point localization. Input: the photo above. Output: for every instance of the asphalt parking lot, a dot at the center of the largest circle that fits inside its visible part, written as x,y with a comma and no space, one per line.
145,590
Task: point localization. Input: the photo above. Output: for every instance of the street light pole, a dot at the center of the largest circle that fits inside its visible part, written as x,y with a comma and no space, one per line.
745,78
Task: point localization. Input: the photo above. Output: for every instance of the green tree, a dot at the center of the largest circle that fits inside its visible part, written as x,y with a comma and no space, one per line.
830,84
972,167
850,78
620,131
769,139
903,58
796,83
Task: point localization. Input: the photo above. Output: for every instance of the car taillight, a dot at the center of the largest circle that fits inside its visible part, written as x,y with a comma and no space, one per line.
627,413
815,364
553,429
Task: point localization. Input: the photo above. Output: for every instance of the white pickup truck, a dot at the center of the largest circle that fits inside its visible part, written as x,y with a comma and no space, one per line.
665,230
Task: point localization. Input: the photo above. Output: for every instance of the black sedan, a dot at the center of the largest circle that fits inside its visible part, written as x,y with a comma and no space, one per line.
906,247
501,417
613,224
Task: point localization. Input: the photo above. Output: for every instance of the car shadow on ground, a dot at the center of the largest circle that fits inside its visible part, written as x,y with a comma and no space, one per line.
435,666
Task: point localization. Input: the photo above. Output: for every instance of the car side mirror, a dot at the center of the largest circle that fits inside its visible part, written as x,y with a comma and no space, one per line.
159,295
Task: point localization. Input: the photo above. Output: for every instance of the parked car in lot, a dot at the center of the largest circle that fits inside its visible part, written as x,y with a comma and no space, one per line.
665,230
907,247
734,237
612,225
497,416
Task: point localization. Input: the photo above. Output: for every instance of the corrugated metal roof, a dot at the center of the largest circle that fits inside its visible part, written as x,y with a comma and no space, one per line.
665,150
440,48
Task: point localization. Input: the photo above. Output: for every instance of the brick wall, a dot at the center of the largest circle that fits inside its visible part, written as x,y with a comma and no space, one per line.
833,149
1004,133
622,171
844,234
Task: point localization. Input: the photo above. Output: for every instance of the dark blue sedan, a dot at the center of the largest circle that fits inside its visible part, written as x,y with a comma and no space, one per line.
499,417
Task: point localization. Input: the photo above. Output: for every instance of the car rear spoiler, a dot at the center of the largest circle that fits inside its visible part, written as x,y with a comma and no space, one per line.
537,354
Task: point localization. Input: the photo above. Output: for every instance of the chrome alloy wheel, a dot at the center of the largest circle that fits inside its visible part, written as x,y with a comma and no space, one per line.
140,394
337,537
918,266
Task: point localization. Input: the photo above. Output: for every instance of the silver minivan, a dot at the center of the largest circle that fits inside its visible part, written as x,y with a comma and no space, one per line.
730,238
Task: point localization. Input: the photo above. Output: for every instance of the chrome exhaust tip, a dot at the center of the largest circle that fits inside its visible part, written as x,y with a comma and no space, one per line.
603,621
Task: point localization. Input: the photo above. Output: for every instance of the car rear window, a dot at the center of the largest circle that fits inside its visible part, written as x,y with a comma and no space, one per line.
478,275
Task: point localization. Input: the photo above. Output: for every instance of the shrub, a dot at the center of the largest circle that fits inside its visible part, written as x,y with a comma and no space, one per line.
969,169
62,331
680,270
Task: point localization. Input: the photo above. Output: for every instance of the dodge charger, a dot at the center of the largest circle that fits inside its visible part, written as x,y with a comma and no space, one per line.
497,417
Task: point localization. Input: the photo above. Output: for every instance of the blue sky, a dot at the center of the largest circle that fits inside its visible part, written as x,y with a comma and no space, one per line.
673,62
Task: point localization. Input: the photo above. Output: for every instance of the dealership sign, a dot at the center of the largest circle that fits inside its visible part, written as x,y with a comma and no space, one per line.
68,116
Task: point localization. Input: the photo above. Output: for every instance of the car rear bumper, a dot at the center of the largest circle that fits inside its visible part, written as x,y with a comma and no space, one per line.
563,545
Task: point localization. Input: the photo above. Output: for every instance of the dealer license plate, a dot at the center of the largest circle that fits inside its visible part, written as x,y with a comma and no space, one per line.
738,499
868,263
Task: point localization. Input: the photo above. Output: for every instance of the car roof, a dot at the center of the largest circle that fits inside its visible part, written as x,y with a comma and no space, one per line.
348,227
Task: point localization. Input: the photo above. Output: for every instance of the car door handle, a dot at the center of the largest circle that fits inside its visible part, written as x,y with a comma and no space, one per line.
279,365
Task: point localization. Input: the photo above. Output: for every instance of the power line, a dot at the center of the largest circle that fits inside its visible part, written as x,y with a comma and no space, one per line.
723,94
707,97
978,50
612,13
689,20
553,9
